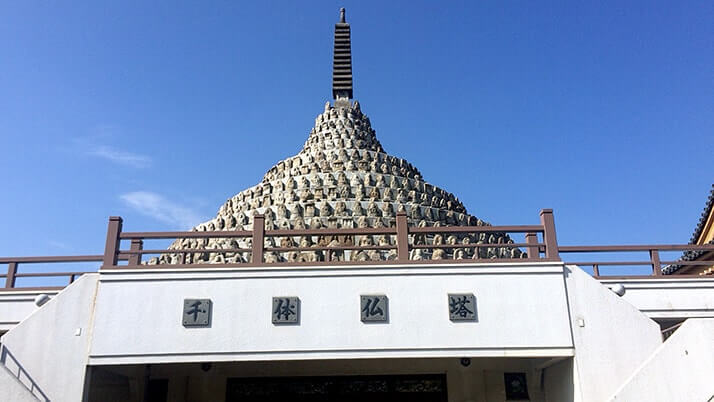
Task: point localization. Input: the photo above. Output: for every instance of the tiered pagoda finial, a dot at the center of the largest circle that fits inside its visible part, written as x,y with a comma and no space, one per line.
342,63
342,179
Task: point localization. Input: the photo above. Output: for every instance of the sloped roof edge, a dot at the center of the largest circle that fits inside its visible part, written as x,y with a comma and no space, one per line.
703,219
693,255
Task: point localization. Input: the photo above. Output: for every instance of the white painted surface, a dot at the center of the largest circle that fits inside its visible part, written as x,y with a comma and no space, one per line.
559,382
522,311
680,370
15,305
669,296
11,389
45,348
613,341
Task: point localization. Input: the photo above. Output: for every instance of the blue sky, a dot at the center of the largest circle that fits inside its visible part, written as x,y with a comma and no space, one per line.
160,111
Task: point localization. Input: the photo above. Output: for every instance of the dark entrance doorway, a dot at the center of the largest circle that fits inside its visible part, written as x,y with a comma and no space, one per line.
392,388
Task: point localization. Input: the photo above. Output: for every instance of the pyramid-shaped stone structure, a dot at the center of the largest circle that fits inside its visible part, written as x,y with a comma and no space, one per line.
342,178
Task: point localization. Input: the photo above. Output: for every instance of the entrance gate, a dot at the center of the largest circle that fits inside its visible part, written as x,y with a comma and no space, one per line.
392,388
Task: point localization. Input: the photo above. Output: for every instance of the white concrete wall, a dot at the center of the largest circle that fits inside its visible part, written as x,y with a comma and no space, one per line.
15,305
669,296
680,370
522,311
560,382
50,346
612,338
12,390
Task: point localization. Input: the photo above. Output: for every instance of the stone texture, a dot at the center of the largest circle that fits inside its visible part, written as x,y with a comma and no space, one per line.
462,307
196,312
286,310
374,308
342,178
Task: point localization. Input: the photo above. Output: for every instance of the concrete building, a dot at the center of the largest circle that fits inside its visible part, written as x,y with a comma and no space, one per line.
344,276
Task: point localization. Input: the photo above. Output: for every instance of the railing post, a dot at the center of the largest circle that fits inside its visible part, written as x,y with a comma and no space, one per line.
596,270
258,239
136,245
402,237
10,278
111,248
656,264
533,252
549,237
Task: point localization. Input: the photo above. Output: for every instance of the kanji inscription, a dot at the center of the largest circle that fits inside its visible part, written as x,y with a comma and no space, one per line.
374,308
286,310
196,312
462,307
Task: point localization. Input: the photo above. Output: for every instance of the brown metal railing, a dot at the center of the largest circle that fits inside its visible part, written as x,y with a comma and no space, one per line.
402,245
394,252
654,261
13,264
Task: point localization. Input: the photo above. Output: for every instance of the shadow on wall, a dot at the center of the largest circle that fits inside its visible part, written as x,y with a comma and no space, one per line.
10,363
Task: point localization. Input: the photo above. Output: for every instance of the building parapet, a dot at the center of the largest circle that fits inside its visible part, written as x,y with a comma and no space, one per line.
397,245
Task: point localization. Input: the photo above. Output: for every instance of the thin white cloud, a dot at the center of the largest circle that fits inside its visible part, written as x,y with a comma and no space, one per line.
58,245
161,209
120,157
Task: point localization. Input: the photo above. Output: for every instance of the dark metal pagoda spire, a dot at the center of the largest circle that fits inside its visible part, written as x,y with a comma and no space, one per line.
342,61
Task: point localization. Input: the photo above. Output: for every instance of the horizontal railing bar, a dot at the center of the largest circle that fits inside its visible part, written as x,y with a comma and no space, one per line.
476,245
478,229
41,274
187,250
186,235
56,259
340,248
336,248
663,263
665,247
650,276
53,259
285,249
322,263
693,262
32,288
588,263
331,232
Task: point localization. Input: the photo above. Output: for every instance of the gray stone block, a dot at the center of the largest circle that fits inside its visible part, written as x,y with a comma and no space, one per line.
286,310
374,308
462,307
197,312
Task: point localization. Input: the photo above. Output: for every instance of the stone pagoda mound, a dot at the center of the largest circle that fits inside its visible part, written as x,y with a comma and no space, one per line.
342,178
